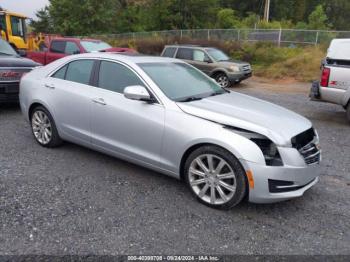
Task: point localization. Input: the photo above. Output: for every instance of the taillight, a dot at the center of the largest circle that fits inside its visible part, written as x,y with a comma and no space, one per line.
326,72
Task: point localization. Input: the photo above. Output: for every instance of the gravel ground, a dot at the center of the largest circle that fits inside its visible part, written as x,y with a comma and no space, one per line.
72,200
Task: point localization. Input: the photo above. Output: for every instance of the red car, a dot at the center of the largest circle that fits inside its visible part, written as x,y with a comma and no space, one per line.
61,47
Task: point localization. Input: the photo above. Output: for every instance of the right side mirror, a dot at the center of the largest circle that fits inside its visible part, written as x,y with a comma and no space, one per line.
137,93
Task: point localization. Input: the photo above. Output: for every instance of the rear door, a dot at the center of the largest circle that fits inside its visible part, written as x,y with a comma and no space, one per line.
70,93
185,54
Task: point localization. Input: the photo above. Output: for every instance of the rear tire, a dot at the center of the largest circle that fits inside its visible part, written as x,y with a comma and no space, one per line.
43,127
348,111
215,177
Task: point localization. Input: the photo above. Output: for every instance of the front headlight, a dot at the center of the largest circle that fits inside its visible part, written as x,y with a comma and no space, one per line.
235,68
269,150
267,147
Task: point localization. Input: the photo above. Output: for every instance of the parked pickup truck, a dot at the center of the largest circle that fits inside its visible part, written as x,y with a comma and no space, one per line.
61,47
334,86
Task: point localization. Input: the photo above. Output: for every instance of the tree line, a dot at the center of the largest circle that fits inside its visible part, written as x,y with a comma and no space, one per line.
84,17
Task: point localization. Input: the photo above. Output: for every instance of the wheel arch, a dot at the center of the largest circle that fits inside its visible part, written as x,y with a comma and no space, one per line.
36,104
217,71
192,148
196,146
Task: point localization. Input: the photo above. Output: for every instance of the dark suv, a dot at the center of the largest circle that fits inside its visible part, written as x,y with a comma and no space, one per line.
12,67
211,61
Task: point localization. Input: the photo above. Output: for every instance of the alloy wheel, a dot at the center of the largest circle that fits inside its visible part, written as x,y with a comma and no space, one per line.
42,128
223,81
212,179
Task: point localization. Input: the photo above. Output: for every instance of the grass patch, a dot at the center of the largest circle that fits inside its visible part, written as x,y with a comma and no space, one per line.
267,59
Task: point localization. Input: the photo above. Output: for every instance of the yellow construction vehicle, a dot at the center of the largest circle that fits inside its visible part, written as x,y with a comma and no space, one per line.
14,30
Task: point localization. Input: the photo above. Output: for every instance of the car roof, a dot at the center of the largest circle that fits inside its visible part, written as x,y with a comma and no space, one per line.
75,39
192,46
128,57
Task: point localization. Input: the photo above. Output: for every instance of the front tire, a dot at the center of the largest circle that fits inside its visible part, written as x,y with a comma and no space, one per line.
44,128
215,177
348,111
223,80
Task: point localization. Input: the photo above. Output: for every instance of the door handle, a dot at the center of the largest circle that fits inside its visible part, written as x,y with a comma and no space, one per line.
51,86
99,100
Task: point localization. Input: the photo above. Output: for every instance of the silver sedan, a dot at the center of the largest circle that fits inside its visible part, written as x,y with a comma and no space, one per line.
166,115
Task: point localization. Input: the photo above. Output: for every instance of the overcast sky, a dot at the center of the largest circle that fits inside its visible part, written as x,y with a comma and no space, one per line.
26,7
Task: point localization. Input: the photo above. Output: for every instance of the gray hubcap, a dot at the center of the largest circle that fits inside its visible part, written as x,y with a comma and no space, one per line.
223,81
41,126
212,179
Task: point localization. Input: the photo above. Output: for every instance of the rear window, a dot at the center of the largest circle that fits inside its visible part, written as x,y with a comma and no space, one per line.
58,46
80,71
185,53
169,52
61,73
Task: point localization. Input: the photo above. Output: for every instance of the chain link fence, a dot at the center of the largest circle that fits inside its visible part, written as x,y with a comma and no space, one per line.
277,36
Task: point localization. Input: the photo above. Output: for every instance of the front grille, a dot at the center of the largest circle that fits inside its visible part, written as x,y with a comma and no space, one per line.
307,147
9,88
246,68
12,74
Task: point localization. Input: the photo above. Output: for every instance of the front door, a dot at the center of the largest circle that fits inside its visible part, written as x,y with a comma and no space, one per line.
202,61
130,128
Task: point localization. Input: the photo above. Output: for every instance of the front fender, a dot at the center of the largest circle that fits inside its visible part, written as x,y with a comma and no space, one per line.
240,146
216,70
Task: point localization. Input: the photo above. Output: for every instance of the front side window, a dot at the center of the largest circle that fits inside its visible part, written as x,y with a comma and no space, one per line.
116,77
185,53
80,71
71,48
199,55
2,23
180,81
17,25
169,52
58,47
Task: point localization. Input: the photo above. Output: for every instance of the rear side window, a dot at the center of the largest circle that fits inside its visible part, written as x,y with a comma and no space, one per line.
80,71
169,52
60,73
58,47
71,48
116,77
185,53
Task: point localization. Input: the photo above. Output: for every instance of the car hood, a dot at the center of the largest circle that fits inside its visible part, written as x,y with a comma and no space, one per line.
14,61
249,113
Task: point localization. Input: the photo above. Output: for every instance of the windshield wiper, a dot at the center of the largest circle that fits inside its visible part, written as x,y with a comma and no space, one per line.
219,92
190,99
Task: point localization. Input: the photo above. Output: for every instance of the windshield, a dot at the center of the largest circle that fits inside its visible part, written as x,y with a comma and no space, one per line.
218,55
181,82
6,49
91,46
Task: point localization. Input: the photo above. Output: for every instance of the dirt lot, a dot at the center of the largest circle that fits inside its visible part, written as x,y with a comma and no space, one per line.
72,200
